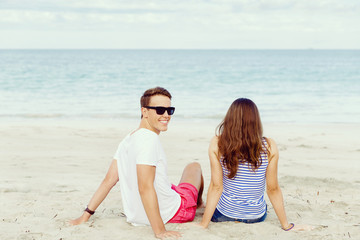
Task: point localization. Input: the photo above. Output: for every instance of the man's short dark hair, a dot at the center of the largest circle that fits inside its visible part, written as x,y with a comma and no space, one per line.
145,98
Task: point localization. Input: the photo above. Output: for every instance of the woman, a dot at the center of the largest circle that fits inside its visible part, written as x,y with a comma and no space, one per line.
242,160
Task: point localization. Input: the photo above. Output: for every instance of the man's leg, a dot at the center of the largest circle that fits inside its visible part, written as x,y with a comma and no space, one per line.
192,174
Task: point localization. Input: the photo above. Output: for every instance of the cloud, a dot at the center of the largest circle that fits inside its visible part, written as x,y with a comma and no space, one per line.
217,21
164,6
91,6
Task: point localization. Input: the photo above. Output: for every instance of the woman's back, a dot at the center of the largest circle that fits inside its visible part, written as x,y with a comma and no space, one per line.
243,195
236,191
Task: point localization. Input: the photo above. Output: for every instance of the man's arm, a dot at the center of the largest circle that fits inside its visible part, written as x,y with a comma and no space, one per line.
110,180
146,177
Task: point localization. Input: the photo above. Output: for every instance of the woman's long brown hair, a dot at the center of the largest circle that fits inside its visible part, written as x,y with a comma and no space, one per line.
240,136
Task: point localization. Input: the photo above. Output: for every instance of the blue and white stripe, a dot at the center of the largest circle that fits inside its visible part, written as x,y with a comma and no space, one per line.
243,196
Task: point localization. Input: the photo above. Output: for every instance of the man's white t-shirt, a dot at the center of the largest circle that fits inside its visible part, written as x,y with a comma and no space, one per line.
144,147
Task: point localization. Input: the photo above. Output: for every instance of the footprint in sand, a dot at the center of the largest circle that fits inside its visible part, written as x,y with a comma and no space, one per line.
304,146
295,139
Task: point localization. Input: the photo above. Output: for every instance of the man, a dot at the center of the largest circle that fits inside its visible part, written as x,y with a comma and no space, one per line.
140,166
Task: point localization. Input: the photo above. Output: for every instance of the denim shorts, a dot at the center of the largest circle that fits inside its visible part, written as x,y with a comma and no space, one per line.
219,217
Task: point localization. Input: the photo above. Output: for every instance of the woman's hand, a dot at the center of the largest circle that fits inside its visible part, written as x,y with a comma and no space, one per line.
298,227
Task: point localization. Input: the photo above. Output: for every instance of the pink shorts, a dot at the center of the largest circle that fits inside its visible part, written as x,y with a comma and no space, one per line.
187,209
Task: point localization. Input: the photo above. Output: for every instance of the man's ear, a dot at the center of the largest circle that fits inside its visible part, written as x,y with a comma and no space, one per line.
144,112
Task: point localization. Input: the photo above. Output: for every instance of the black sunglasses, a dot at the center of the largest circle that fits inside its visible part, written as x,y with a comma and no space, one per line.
161,110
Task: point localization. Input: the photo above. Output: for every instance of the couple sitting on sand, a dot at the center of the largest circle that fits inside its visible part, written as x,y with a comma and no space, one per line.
241,160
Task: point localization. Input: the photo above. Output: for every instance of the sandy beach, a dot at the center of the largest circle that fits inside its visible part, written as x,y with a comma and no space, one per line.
50,169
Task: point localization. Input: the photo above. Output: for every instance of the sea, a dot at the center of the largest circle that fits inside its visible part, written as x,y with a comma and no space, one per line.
288,86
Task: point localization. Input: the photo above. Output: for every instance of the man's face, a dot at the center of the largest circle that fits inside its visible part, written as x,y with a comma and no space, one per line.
157,123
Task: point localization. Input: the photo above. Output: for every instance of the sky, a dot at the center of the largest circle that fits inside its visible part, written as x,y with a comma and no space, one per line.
182,24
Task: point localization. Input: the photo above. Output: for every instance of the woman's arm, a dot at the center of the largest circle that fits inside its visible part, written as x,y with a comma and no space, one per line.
216,184
110,180
272,185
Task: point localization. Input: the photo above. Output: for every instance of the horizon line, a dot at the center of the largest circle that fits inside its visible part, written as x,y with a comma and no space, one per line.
205,49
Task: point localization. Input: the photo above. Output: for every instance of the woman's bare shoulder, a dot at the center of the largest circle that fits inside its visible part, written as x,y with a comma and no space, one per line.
271,142
273,150
214,139
214,147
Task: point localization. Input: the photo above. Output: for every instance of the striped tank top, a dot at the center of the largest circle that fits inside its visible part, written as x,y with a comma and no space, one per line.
243,196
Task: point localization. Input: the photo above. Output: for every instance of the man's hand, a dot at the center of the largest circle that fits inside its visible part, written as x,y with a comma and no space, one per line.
83,218
168,234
